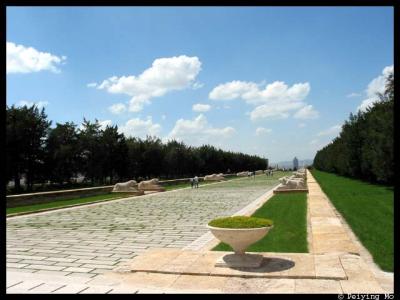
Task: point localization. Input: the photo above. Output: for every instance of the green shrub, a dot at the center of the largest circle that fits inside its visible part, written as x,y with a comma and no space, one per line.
240,222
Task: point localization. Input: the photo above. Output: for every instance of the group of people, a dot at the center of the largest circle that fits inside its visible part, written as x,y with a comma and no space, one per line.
194,182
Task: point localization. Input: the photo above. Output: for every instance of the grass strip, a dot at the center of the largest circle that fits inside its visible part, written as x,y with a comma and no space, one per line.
63,203
239,222
289,234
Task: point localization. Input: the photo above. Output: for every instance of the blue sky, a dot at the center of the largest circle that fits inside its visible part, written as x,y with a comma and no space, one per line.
272,81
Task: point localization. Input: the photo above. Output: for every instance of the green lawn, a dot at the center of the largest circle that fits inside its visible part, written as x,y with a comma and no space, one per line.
289,234
62,203
368,209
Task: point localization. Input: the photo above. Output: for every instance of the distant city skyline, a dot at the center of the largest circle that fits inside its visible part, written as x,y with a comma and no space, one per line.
277,82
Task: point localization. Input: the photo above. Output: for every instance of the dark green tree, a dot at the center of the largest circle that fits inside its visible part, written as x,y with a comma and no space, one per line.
63,154
115,150
26,132
365,147
91,151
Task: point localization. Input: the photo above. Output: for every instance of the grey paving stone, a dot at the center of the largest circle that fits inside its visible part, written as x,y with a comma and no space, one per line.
12,281
16,265
98,266
61,259
111,233
82,275
100,270
57,273
26,257
37,262
68,264
81,256
24,286
46,288
18,249
123,290
78,269
22,270
44,267
71,289
97,261
96,290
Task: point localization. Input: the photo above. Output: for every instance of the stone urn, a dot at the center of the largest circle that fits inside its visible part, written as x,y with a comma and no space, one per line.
240,239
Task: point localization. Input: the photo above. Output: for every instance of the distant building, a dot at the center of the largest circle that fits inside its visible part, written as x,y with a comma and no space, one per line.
295,163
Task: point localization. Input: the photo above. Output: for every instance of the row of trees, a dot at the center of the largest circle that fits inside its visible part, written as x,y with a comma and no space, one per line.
364,148
41,153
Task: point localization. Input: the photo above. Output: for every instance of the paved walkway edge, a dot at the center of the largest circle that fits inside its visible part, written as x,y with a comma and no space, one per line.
385,279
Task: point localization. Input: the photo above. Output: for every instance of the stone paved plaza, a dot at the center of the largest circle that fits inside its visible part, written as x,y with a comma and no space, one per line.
159,243
93,239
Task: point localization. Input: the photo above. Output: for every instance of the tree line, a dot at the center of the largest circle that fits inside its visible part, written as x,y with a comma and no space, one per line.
42,154
364,148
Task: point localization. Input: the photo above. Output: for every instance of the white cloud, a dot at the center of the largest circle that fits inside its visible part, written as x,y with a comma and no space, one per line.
197,85
274,100
377,85
91,85
334,130
39,104
262,130
302,125
21,59
165,75
366,104
251,92
232,90
104,124
274,111
307,112
117,108
352,95
198,131
140,128
201,107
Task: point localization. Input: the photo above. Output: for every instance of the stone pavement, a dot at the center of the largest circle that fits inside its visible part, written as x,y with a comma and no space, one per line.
334,264
337,262
86,241
328,232
174,269
274,265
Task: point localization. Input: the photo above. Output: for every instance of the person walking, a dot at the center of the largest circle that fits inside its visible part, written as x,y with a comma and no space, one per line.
191,182
196,182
